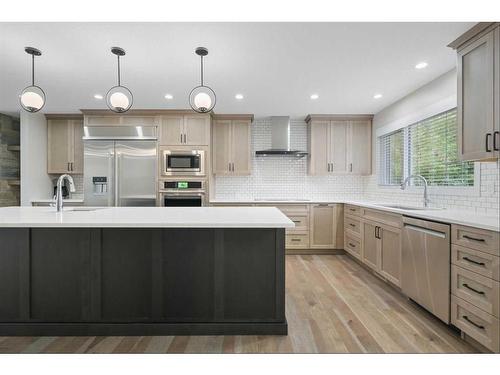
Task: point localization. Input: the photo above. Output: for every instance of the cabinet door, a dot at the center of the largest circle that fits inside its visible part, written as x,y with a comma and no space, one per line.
196,130
475,108
77,154
370,245
390,254
221,147
171,130
319,147
338,146
240,148
322,231
497,94
59,146
359,147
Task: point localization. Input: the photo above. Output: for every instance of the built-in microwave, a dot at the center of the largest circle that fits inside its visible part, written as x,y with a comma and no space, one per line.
183,163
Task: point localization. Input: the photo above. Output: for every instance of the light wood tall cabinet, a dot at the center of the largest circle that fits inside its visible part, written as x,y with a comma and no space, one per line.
184,130
339,144
326,226
231,145
64,144
478,92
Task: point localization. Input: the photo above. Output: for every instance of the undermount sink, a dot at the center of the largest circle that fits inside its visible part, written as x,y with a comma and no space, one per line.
78,209
410,208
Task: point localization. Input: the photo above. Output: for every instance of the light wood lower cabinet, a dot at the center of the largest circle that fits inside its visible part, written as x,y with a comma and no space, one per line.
370,253
390,253
326,228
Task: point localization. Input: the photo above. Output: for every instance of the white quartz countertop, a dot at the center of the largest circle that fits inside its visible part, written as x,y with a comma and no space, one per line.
145,217
65,200
445,215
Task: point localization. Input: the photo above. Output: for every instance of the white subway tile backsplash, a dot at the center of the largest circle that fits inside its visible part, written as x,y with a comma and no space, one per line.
286,177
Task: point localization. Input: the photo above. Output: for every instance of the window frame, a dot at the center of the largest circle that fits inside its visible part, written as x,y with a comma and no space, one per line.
473,190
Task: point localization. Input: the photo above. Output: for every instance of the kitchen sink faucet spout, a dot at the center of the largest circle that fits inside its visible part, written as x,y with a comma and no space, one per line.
59,197
407,181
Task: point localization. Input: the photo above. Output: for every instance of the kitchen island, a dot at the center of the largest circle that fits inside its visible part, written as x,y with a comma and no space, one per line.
142,271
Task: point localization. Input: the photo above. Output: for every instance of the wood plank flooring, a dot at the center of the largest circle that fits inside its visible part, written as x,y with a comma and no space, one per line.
333,305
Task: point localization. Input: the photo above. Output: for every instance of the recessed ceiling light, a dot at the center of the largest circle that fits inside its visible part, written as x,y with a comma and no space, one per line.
421,65
377,96
169,96
239,96
314,96
98,96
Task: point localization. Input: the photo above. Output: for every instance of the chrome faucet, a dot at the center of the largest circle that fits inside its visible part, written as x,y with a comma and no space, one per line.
58,197
406,181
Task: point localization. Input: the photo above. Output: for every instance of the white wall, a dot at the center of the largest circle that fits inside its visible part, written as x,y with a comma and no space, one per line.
35,183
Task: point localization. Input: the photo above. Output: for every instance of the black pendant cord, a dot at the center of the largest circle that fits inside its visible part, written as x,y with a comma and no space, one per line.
201,70
119,81
32,70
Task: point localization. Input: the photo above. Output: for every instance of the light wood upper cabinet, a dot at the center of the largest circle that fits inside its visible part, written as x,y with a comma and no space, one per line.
478,94
185,130
231,145
339,144
326,226
64,145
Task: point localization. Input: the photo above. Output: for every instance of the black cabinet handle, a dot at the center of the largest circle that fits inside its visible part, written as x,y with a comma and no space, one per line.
352,245
295,240
496,135
352,225
473,261
377,232
488,149
296,221
352,209
474,239
473,323
474,290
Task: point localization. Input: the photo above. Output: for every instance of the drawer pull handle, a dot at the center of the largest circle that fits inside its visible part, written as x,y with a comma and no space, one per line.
296,221
474,290
295,240
352,245
471,322
473,261
352,225
352,209
474,239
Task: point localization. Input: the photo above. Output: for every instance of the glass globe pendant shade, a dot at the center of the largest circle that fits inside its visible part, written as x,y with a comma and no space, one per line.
119,99
32,99
202,99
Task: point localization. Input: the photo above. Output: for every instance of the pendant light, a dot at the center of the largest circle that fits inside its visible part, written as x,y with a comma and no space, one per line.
32,98
202,98
119,98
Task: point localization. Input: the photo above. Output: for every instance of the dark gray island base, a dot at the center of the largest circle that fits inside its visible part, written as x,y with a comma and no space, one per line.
144,281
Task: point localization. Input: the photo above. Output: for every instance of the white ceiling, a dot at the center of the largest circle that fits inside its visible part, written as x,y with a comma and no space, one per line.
276,66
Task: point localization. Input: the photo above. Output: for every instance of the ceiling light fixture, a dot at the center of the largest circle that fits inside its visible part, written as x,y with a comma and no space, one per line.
239,96
202,98
169,96
119,98
377,96
421,65
314,96
98,97
32,98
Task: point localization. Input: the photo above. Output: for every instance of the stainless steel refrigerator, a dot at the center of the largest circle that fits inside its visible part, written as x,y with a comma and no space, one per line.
120,166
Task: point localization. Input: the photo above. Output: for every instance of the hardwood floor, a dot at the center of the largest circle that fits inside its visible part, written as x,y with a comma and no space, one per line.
333,305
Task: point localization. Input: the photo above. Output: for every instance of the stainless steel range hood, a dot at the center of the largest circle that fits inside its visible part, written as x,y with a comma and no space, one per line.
280,139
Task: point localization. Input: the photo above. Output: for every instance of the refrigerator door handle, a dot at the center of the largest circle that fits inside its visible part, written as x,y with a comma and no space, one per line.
115,177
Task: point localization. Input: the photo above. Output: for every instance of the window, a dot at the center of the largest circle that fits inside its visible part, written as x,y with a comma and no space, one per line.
428,148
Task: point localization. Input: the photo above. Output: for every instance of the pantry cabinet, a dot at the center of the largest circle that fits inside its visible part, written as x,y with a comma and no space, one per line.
64,144
231,145
184,130
339,144
478,92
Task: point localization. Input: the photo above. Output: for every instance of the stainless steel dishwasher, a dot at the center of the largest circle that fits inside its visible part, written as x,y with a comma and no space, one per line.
426,265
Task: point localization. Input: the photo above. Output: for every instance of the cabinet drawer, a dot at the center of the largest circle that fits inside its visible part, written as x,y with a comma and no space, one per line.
353,224
301,222
352,245
478,239
478,290
482,327
394,220
482,263
352,210
292,209
296,240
